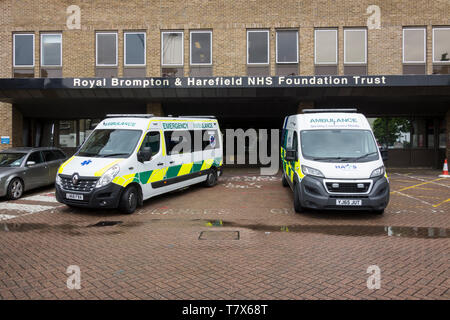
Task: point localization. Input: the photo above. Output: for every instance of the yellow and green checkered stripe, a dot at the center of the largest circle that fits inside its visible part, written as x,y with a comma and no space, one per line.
290,167
156,175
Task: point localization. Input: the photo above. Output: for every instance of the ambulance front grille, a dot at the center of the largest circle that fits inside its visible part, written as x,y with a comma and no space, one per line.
346,187
83,185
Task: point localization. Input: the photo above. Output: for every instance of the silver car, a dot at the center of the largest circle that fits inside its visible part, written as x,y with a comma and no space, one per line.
23,169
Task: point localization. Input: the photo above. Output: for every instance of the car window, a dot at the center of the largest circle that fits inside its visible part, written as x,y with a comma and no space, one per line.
36,157
59,154
50,156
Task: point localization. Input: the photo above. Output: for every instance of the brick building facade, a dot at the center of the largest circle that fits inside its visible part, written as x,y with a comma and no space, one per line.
228,23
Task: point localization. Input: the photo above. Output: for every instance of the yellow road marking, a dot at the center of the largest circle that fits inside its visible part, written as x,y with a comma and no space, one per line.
417,185
437,205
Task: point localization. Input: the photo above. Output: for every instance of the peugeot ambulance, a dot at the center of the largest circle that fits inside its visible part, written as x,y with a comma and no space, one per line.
331,160
131,158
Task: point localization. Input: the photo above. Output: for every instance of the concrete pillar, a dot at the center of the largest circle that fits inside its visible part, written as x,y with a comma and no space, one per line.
305,105
155,108
6,128
17,128
447,132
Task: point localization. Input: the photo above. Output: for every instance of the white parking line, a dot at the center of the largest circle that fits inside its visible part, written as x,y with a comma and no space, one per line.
6,217
28,208
42,198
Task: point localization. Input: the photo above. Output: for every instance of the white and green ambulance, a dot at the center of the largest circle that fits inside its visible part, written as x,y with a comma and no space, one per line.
130,158
331,160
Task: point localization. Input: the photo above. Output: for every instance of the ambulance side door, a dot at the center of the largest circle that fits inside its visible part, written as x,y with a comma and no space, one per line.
154,170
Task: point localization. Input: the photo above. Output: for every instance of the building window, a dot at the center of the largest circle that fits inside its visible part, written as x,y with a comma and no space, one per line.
51,50
106,54
172,57
51,55
201,53
325,51
258,47
172,48
24,50
134,49
258,52
201,47
441,50
23,55
355,51
414,51
287,52
134,54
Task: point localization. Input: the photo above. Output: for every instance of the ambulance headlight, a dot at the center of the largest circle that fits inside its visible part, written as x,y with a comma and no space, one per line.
377,172
58,180
108,176
311,171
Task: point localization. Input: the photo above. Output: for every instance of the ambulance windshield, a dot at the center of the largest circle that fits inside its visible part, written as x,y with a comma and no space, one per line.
338,145
114,143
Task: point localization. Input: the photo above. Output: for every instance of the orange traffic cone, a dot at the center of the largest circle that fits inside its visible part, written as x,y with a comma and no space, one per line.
445,171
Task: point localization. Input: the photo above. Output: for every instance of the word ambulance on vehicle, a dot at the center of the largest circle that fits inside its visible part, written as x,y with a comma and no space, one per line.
130,158
331,160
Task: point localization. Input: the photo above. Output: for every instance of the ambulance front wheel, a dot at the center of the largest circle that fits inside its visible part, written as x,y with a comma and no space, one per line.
297,206
211,179
284,180
129,200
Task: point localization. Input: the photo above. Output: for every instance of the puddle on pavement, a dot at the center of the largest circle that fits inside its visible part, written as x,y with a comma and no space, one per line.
105,224
350,230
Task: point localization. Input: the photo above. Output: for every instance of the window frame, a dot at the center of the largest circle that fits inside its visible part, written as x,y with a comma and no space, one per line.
315,47
432,51
267,31
210,48
162,49
42,49
115,33
14,51
424,45
125,64
276,47
365,46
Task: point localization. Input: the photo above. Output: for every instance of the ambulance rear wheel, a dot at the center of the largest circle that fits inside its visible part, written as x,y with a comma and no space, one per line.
297,206
129,200
284,180
211,179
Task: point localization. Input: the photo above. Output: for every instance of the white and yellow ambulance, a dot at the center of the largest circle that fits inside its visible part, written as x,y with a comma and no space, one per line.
130,158
331,160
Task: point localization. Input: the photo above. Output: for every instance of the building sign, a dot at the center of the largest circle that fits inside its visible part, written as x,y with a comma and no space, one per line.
255,82
5,140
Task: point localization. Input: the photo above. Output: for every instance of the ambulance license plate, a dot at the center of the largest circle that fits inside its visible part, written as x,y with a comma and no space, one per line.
348,202
73,196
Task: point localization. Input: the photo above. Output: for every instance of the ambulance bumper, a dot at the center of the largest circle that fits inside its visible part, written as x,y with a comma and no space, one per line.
314,195
104,197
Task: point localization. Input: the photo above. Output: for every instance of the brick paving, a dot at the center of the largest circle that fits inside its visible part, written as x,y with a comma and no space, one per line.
156,252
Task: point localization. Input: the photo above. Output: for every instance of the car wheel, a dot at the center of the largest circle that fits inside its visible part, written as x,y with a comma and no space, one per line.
297,206
211,179
129,200
15,189
284,181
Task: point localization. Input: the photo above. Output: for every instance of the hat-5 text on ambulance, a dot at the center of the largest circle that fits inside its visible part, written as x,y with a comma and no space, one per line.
130,158
331,161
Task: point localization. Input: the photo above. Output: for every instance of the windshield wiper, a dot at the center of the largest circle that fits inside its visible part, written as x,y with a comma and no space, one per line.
331,158
113,155
365,155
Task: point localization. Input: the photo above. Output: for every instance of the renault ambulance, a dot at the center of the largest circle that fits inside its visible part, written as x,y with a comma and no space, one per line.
331,160
130,158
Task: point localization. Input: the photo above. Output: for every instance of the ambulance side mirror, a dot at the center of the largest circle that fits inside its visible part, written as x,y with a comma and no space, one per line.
291,155
145,154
